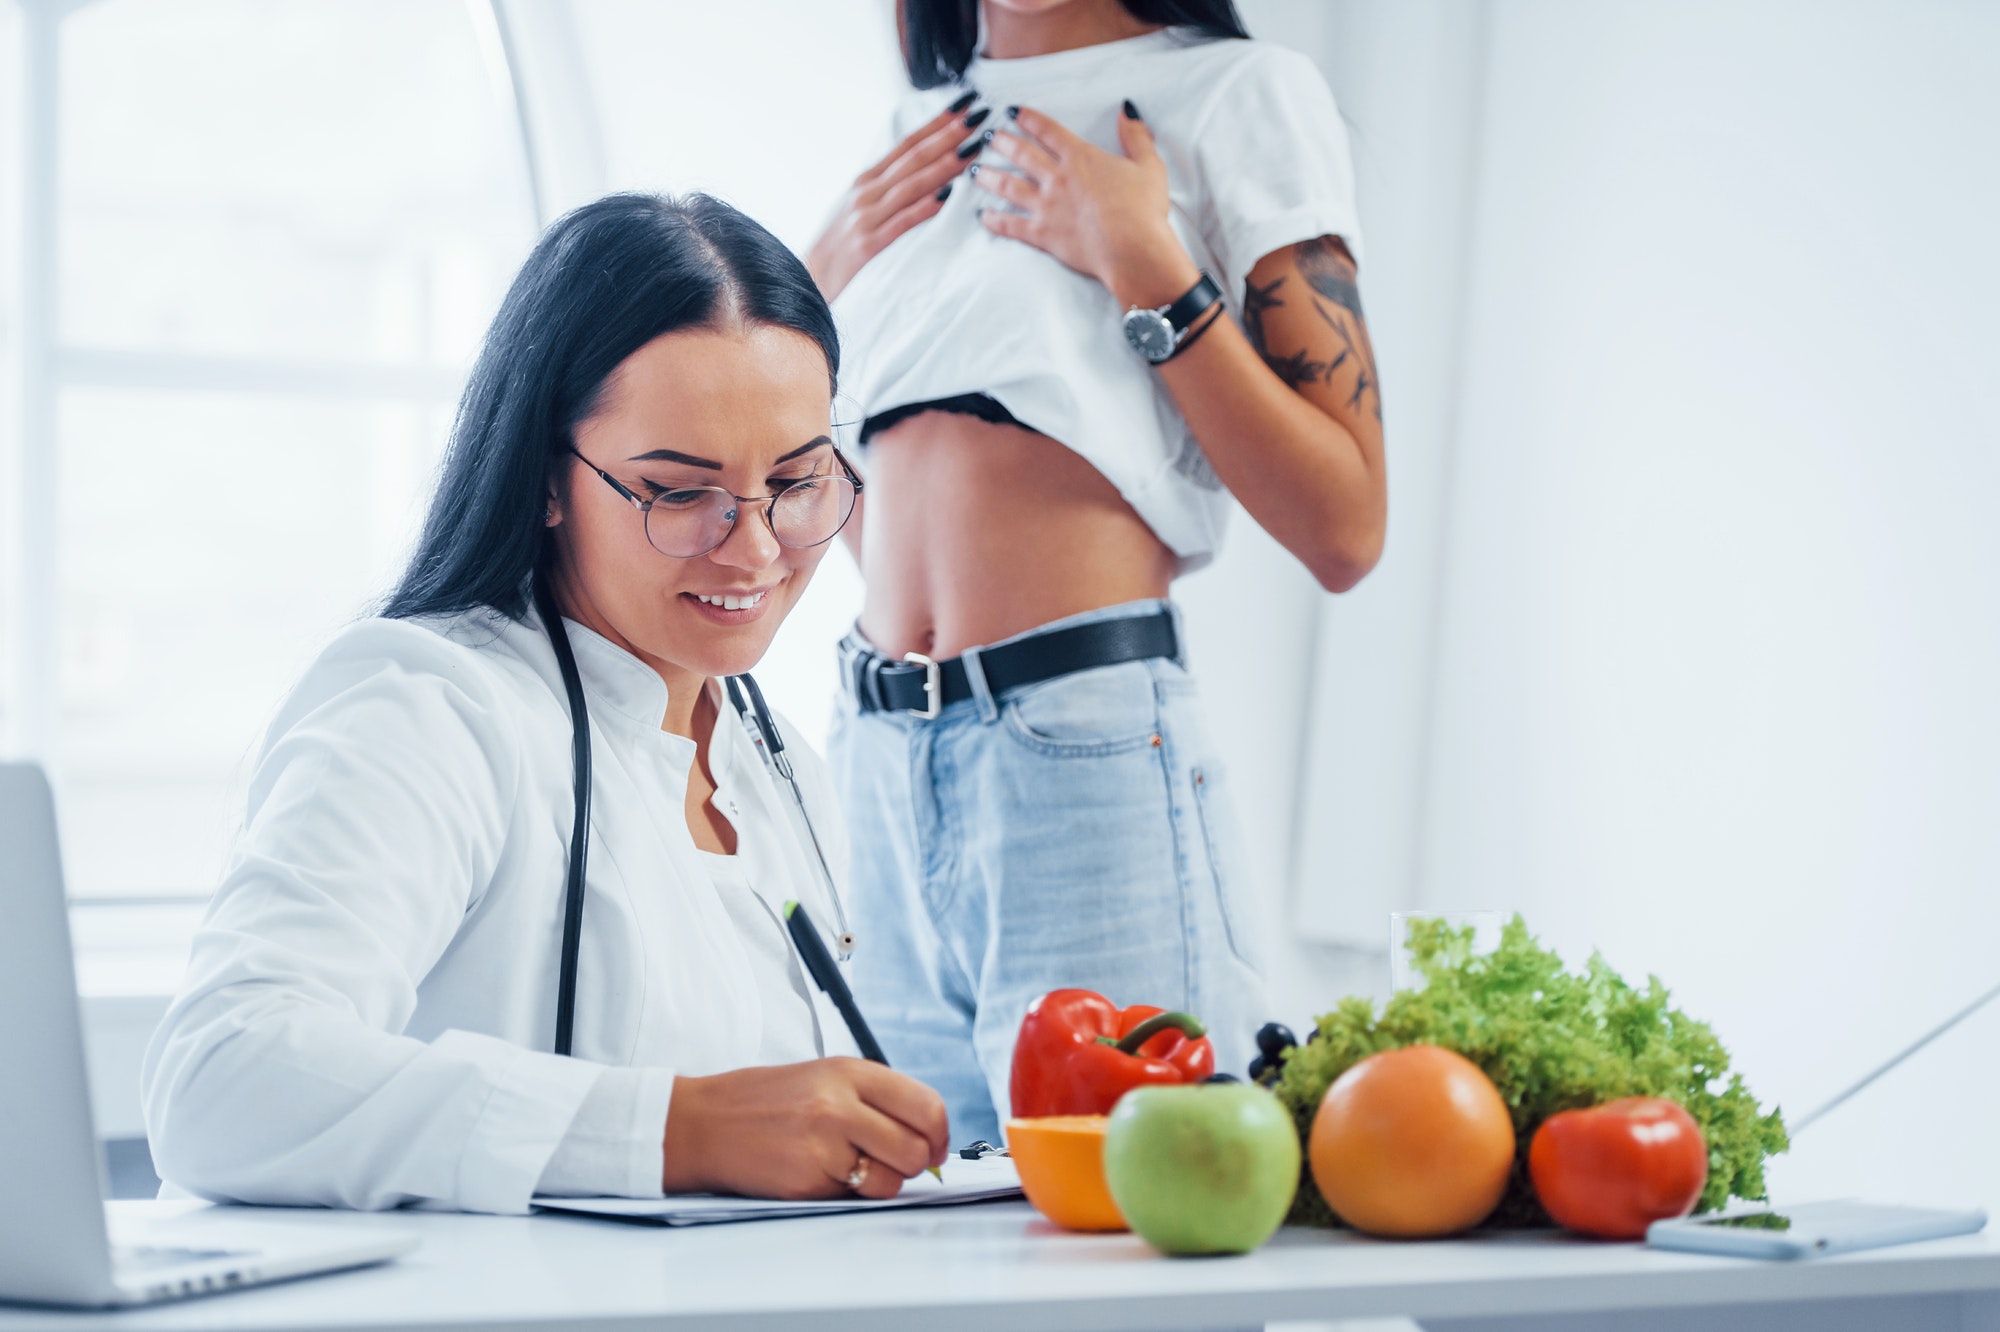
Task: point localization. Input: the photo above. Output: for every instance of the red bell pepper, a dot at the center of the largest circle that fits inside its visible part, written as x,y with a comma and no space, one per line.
1078,1053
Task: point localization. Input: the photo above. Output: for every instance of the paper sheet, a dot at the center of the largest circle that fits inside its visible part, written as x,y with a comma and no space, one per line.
986,1180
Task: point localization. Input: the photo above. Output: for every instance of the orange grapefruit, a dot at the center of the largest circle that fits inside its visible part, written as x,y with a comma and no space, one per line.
1412,1143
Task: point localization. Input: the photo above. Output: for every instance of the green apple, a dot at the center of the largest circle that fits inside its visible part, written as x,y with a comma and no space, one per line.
1204,1168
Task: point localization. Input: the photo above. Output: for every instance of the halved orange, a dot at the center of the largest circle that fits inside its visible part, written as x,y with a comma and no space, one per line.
1061,1162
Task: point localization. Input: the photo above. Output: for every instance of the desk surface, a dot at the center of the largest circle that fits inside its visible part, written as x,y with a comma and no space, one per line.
982,1267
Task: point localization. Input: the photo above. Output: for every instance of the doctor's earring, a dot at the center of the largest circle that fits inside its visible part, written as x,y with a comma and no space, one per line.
549,514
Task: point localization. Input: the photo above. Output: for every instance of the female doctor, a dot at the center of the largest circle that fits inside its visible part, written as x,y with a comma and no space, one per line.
371,1003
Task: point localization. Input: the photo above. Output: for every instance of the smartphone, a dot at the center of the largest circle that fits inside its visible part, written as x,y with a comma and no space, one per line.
1811,1229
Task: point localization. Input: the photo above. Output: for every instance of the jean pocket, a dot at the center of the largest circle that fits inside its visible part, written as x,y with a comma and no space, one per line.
1087,714
1218,840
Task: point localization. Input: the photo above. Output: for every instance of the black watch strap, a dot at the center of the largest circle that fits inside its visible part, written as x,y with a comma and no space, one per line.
1199,297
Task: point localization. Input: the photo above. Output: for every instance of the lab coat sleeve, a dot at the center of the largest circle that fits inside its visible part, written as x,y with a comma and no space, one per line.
377,813
616,1144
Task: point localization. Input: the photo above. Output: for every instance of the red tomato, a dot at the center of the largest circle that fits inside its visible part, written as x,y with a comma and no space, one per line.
1616,1168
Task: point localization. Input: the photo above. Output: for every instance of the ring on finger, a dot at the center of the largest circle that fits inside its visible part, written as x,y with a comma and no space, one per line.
859,1175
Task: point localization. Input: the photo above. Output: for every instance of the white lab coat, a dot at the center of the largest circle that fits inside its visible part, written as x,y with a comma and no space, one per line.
369,1005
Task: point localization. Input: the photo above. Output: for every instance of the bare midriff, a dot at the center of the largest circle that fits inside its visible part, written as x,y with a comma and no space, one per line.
973,532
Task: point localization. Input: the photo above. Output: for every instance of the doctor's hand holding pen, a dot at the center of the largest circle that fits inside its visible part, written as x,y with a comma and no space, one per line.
824,1129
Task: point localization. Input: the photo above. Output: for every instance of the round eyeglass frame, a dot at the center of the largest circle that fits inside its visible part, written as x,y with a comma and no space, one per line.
645,507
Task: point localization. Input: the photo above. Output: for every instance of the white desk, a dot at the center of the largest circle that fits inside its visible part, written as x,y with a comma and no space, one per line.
998,1266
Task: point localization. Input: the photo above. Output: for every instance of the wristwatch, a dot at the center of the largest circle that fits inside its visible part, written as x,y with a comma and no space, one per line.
1157,334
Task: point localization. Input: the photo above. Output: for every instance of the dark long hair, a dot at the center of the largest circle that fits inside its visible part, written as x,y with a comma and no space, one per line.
602,283
938,35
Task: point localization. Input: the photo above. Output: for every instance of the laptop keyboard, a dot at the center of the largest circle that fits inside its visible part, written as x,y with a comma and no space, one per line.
147,1257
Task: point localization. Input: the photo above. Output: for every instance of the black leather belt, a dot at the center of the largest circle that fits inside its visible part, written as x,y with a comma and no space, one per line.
925,687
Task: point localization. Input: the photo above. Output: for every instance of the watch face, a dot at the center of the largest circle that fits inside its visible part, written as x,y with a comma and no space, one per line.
1150,334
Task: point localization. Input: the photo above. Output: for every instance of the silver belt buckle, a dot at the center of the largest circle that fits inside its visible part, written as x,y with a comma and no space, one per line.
933,687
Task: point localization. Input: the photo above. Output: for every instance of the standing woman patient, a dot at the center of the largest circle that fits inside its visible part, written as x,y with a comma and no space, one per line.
641,469
1105,281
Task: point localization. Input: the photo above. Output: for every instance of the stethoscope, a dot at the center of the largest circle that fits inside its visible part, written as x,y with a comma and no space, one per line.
751,711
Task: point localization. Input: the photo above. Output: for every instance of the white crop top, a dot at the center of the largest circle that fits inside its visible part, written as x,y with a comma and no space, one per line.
1257,159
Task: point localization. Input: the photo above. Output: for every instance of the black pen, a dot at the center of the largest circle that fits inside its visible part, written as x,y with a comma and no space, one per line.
812,951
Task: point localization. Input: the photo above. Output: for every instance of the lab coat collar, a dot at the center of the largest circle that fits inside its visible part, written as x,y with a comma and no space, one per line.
616,681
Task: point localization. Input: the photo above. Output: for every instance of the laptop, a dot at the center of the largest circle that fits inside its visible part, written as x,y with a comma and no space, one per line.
56,1238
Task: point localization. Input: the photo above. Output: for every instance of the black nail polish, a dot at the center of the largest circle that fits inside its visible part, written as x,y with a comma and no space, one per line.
1013,113
966,99
944,193
1131,111
971,146
978,118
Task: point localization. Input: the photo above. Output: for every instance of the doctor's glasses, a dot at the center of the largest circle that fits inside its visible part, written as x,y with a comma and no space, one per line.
689,521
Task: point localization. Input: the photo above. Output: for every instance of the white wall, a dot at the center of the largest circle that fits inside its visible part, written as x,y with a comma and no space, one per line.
1409,79
1716,686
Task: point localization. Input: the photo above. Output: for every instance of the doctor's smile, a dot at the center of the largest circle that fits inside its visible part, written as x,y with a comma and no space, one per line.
731,609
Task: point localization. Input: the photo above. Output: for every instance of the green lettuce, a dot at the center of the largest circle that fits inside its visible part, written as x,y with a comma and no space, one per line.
1551,1040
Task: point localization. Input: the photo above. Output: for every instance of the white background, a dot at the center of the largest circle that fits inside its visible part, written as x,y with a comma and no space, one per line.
1719,623
1685,641
1709,680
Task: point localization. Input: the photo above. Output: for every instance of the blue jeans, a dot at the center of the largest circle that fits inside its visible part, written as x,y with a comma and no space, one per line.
1076,832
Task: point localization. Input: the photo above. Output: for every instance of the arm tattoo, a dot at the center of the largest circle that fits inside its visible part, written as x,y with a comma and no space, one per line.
1295,370
1327,270
1364,378
1256,300
1330,274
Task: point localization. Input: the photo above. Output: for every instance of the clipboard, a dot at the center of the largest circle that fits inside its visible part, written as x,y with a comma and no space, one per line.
989,1179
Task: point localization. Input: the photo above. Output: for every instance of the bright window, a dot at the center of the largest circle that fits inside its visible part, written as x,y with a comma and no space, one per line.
281,231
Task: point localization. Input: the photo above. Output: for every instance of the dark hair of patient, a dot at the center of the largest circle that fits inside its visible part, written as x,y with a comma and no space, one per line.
602,283
938,35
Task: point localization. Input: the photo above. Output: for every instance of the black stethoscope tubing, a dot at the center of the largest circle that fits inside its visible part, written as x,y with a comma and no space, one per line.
751,710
